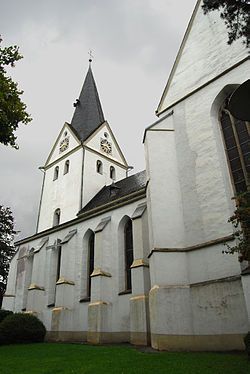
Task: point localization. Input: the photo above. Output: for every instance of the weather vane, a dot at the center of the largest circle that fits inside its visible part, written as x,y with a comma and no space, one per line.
90,55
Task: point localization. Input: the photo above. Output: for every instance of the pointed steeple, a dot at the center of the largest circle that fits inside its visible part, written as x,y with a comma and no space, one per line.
88,113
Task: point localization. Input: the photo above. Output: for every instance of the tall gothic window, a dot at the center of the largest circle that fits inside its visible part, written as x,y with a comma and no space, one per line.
129,256
237,146
58,268
91,250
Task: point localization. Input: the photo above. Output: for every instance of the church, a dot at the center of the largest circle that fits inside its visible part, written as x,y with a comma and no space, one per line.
139,258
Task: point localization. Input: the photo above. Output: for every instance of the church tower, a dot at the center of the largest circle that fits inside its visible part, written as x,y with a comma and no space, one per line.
84,158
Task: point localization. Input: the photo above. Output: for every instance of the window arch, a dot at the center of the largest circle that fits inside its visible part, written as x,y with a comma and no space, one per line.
56,218
99,167
91,254
56,173
128,252
66,167
112,172
86,265
59,258
237,147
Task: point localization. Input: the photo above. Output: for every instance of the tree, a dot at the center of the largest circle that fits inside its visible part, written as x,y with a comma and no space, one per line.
12,109
241,222
7,249
236,14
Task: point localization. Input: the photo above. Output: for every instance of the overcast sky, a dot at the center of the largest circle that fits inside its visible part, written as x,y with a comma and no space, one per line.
134,43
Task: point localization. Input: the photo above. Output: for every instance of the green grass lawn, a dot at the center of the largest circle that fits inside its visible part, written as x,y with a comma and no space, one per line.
77,359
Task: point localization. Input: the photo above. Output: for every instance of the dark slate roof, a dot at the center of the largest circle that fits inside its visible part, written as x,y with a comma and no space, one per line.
88,113
116,191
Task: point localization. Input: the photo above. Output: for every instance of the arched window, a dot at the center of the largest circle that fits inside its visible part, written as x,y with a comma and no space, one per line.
56,172
91,250
56,219
66,167
129,256
58,267
112,172
99,167
237,146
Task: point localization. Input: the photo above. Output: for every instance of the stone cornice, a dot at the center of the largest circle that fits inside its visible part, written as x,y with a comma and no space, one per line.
34,286
63,280
139,262
196,247
99,272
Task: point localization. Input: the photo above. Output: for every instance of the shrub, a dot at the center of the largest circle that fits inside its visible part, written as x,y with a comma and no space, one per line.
21,328
247,343
4,314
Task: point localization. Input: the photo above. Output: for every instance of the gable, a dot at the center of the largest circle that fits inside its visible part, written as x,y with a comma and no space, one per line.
204,54
105,135
64,144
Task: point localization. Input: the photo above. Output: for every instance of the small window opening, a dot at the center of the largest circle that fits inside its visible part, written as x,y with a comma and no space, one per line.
99,167
112,172
56,173
66,167
56,220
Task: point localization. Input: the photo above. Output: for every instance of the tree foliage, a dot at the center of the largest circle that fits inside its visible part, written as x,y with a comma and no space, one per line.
7,249
12,109
236,14
241,222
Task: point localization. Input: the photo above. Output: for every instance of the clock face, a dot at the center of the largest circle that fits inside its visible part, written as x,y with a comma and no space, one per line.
64,144
106,146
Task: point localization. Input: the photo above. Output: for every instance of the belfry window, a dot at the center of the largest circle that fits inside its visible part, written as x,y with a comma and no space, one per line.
56,173
91,250
237,146
66,167
56,219
112,172
99,167
129,256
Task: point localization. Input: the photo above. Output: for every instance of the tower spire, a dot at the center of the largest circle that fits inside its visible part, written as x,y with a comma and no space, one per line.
88,114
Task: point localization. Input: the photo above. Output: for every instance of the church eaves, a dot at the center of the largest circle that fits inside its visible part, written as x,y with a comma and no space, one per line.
88,115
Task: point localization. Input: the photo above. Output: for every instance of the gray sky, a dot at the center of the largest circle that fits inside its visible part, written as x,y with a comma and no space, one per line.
134,43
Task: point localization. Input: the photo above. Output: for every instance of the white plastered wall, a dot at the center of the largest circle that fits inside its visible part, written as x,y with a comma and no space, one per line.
62,193
77,319
203,55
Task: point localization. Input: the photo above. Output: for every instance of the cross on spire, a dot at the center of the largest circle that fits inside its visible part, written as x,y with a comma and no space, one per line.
90,56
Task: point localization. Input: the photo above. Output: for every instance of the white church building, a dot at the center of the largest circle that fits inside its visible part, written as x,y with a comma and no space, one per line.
138,258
